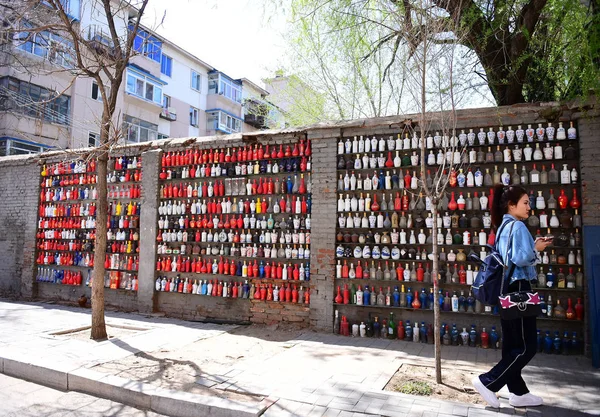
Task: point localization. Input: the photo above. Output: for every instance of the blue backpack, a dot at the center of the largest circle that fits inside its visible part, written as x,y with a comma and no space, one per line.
487,284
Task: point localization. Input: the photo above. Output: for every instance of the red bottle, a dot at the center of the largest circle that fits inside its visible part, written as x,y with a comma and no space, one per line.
400,272
579,310
570,313
485,339
452,181
420,273
575,203
346,294
288,293
452,205
344,327
401,331
407,180
462,275
389,162
374,203
397,202
359,271
405,201
563,201
338,298
416,303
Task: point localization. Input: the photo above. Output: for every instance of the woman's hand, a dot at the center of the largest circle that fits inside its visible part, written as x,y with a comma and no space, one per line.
541,243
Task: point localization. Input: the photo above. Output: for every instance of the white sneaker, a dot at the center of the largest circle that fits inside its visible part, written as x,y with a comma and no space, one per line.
526,400
488,396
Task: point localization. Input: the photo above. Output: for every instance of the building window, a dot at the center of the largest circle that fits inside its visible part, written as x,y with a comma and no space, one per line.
138,130
166,101
93,139
15,147
223,85
96,95
194,116
166,65
196,81
35,101
222,121
141,86
71,7
147,44
162,136
46,45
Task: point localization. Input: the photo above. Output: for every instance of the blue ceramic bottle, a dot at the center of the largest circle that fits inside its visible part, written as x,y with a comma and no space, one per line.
473,336
423,299
423,331
566,343
396,297
547,343
454,335
409,297
494,338
408,331
557,342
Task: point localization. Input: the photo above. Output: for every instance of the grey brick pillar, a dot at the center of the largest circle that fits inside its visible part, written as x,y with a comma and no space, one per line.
323,221
148,227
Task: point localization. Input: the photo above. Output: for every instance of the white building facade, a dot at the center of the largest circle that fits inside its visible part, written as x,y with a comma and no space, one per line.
166,92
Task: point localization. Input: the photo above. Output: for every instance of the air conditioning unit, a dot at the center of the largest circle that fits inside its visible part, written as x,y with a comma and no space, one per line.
172,110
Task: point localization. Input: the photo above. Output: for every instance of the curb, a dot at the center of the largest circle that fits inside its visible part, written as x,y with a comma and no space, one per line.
137,394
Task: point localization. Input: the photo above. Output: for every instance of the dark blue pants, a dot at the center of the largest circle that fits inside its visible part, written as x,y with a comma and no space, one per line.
519,345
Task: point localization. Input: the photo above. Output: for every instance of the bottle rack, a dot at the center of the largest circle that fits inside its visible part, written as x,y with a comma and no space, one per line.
235,223
384,225
67,223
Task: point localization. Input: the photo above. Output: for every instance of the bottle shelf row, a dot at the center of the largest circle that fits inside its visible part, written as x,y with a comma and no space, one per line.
443,312
481,138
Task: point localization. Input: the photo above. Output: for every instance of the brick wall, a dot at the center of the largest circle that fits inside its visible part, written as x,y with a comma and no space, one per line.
118,299
198,307
19,189
19,195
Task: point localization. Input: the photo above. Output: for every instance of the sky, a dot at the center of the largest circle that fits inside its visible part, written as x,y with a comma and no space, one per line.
238,37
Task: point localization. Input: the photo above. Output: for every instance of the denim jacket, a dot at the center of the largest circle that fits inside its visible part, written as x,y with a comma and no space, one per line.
521,251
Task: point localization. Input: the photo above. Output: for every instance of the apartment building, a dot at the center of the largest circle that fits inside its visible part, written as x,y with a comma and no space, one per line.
167,92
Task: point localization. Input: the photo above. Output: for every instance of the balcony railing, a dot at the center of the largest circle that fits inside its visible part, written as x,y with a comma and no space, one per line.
169,113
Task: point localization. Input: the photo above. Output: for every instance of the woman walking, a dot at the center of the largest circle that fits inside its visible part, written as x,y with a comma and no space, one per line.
510,207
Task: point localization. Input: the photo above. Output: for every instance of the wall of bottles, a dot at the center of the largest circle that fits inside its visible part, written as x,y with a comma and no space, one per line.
235,223
67,223
384,231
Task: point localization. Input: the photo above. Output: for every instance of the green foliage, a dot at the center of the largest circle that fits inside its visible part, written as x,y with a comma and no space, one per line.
357,53
562,54
415,388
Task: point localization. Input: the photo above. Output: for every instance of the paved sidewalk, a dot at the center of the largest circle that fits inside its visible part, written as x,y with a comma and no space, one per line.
183,368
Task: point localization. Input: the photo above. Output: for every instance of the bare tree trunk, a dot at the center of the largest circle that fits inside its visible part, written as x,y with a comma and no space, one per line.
98,323
436,304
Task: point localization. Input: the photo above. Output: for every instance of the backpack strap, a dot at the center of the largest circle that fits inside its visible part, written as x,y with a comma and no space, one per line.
512,267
